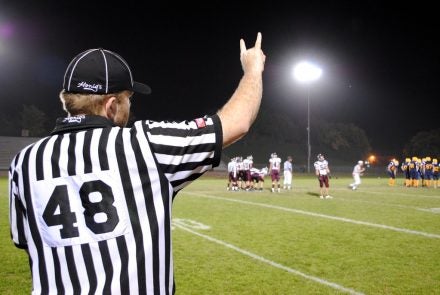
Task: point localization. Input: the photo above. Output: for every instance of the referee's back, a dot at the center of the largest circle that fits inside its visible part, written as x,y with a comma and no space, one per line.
93,207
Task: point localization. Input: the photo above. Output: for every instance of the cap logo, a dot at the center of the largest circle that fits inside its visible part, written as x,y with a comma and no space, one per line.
100,71
91,87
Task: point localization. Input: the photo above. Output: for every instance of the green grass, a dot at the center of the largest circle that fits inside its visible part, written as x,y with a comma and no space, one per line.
15,276
376,240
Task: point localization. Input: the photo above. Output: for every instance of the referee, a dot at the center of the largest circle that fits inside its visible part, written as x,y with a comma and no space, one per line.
91,203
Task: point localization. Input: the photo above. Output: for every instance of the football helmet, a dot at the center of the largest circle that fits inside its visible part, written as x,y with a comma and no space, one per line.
320,157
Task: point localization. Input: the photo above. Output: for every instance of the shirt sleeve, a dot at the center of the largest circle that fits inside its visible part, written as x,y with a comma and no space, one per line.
17,214
185,150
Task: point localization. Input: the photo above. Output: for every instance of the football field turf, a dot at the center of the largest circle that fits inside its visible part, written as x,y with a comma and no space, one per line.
375,240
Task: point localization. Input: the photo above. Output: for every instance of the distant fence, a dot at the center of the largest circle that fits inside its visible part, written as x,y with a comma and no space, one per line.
10,146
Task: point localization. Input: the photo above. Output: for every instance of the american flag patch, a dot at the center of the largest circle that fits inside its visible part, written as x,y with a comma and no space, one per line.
200,122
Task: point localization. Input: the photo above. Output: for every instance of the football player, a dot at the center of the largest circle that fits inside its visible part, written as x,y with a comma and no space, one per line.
435,172
274,171
405,170
322,170
429,171
392,171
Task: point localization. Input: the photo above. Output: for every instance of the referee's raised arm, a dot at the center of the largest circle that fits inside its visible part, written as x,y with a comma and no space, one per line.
238,114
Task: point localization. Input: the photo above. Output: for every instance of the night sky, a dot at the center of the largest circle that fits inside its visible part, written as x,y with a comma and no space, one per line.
380,61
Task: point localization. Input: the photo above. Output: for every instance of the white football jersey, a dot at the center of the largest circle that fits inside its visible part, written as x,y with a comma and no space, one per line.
232,166
321,166
247,164
357,169
275,163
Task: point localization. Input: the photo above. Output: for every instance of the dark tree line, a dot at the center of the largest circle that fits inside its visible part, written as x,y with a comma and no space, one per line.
424,143
30,121
278,132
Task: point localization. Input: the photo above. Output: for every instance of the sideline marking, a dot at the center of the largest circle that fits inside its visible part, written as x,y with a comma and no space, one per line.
414,193
432,210
389,205
394,193
190,223
272,263
403,230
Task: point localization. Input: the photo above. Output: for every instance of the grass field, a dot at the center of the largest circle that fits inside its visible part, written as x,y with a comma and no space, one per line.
376,240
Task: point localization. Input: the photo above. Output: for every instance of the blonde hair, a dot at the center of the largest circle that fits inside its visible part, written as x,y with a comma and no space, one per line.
88,104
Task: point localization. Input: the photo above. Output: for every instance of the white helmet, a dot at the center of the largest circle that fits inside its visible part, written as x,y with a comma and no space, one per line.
360,162
320,157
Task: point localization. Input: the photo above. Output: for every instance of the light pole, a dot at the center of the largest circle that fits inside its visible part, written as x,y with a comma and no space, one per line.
307,72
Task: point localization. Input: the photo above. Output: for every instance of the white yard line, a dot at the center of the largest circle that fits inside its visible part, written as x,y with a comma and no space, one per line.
390,192
382,226
272,263
429,210
412,192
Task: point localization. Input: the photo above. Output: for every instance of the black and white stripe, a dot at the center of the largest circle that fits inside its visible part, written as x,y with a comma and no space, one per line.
120,245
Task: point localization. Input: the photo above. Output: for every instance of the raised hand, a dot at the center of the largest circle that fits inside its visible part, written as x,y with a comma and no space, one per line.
252,59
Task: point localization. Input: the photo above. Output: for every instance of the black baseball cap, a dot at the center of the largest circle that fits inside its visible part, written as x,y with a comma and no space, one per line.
100,71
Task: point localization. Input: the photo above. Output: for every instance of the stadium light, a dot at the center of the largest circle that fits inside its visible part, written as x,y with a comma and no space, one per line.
372,159
306,72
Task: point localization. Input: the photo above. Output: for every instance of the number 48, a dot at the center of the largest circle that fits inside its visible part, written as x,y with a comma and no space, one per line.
65,217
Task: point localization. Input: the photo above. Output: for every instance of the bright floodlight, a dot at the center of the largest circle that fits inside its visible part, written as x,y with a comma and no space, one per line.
306,72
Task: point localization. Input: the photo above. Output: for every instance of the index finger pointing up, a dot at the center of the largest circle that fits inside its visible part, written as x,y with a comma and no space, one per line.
242,46
258,41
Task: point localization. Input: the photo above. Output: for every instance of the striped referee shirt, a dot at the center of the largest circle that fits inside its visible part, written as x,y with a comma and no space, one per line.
92,202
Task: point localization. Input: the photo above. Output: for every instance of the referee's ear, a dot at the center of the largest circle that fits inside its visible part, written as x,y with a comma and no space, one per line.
111,108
